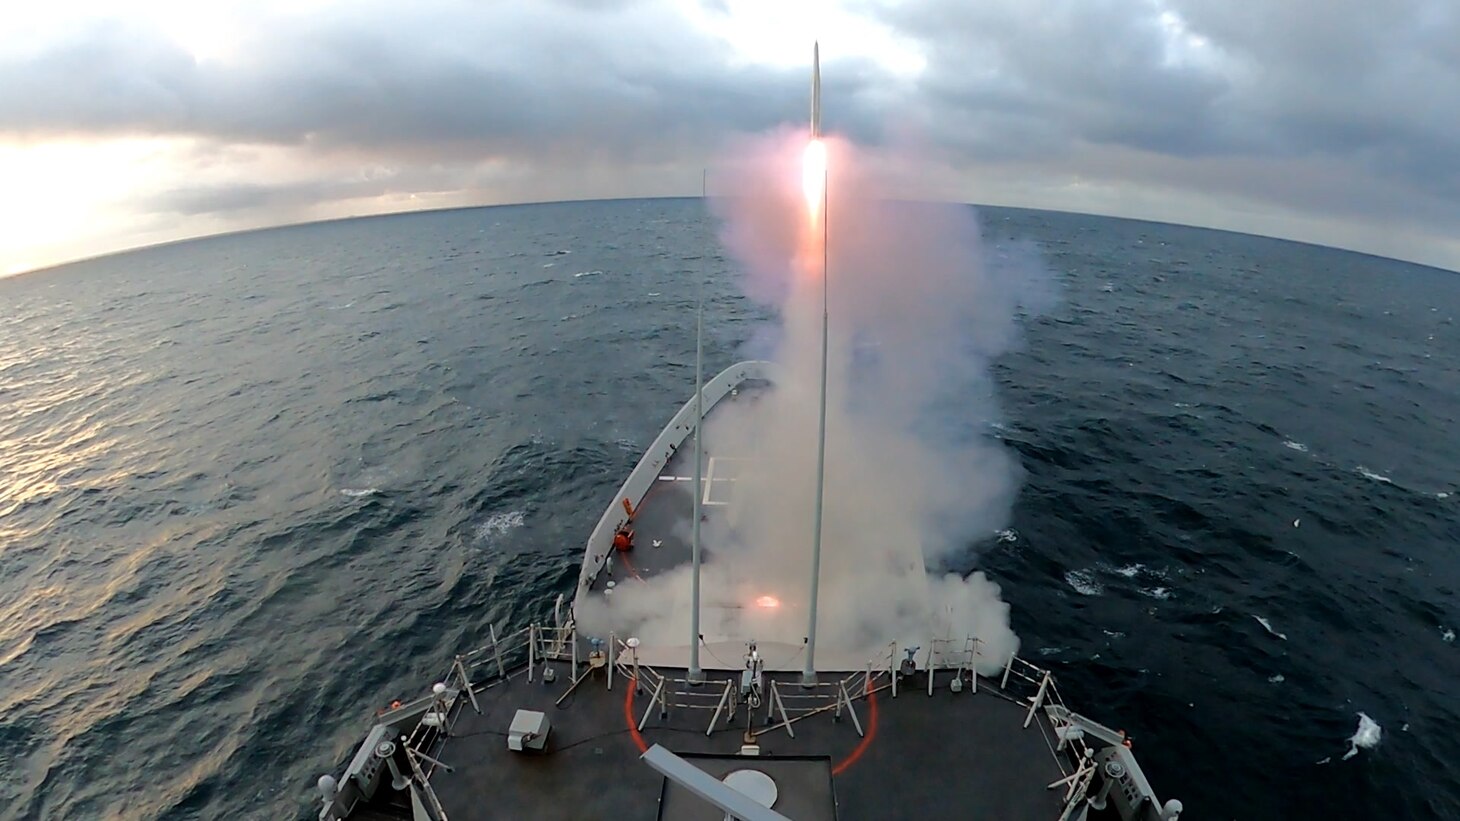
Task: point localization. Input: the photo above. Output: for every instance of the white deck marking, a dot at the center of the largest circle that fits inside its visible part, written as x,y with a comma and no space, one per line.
711,479
708,484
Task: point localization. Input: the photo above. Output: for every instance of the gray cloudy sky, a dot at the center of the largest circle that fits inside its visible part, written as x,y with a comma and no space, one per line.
1333,121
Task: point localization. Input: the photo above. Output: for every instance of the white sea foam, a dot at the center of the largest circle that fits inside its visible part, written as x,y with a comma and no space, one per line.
1276,679
497,524
1366,736
1008,535
1298,446
587,273
1139,570
1442,495
1083,582
548,264
1446,634
1160,593
1369,474
1266,625
356,493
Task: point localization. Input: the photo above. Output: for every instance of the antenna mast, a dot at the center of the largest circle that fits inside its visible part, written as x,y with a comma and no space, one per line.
695,674
808,674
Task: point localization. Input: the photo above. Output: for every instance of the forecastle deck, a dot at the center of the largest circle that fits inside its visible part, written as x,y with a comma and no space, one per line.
880,734
853,747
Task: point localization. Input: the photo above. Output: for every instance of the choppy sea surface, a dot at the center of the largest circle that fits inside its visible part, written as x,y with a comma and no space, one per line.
256,486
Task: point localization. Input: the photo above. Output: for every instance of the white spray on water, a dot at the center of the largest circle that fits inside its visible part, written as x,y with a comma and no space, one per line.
912,478
1366,736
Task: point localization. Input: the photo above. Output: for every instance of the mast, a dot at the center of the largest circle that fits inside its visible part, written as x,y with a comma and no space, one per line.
695,674
808,674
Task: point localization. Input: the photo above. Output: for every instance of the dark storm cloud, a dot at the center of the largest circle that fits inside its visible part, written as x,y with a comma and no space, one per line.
591,85
1336,108
593,76
1091,71
1370,84
1372,81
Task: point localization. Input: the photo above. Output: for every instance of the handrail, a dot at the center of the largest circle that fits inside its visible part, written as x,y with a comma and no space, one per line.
538,642
1047,697
425,784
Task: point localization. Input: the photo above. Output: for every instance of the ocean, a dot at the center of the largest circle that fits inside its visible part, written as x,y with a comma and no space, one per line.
254,487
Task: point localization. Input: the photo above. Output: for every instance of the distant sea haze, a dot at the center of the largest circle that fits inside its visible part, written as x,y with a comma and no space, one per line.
254,487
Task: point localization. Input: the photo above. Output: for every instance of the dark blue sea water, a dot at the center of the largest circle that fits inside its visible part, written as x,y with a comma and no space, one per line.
256,486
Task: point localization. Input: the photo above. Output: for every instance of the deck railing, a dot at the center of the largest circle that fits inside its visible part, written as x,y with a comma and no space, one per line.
1076,758
1021,681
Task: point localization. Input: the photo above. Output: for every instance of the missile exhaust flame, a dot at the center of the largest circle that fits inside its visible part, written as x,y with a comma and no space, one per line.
813,177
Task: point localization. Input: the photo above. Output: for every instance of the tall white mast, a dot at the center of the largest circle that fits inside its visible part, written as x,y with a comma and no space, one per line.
808,674
697,675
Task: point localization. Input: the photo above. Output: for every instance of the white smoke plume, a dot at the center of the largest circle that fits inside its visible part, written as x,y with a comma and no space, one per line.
912,476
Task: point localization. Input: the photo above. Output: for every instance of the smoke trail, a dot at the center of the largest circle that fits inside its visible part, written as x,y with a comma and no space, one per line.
912,478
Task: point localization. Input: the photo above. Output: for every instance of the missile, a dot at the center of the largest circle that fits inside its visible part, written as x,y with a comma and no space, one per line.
816,90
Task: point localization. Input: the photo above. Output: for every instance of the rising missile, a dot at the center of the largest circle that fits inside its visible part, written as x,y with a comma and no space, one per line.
816,90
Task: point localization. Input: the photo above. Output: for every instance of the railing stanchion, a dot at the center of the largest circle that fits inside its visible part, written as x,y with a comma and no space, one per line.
719,708
425,783
1038,699
650,707
892,667
497,651
973,667
466,682
573,637
842,697
780,705
932,665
